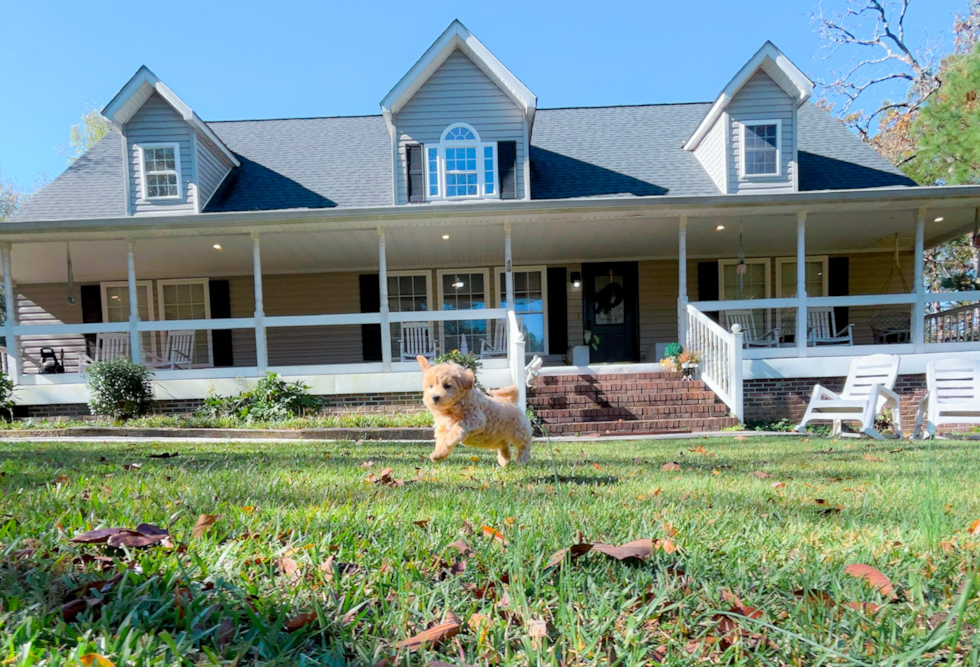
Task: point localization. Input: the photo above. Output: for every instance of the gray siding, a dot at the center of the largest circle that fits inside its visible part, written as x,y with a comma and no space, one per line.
158,122
762,99
711,154
212,167
459,92
47,303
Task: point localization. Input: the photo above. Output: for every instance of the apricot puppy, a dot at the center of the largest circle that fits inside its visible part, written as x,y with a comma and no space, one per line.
465,415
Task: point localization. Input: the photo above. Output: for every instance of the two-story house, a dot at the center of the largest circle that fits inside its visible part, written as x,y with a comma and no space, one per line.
463,216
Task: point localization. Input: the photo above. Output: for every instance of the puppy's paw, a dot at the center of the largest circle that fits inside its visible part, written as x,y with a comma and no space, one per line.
503,456
439,455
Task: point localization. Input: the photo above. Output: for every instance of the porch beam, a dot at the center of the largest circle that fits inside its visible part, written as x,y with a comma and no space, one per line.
134,306
682,299
919,312
261,349
801,300
383,292
10,301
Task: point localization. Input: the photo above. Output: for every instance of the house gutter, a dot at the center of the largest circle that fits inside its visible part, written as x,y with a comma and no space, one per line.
496,212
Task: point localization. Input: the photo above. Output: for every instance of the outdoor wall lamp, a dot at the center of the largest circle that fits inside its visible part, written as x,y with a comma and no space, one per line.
576,280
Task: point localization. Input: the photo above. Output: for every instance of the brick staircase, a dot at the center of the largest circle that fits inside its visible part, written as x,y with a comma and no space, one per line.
626,404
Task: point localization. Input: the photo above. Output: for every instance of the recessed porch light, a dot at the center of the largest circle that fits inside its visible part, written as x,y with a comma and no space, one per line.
445,237
114,296
939,219
719,228
217,246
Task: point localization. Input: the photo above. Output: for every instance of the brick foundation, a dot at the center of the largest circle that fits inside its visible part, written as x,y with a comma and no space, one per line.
398,402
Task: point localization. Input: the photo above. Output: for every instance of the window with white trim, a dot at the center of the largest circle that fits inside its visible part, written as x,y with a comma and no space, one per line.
530,304
816,285
461,166
760,147
751,282
407,292
161,171
463,289
188,299
115,307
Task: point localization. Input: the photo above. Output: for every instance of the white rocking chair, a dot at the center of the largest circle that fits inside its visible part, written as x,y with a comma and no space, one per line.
107,346
180,352
868,390
952,396
498,347
821,328
416,341
746,320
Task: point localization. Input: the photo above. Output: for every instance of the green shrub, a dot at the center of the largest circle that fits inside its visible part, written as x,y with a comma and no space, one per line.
470,361
6,396
120,389
272,399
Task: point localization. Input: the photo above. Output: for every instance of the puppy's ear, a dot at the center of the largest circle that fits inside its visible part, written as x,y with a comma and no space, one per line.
466,379
423,362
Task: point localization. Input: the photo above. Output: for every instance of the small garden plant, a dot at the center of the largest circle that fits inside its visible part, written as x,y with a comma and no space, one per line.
272,399
119,389
6,396
466,360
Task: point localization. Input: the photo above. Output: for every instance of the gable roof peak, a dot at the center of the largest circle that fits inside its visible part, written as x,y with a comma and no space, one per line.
458,37
774,63
140,87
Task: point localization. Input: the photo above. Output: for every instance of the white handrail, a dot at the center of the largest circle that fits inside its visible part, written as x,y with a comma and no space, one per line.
448,315
516,357
956,325
721,357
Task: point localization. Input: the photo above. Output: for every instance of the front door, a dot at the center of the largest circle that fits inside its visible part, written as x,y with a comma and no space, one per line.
611,302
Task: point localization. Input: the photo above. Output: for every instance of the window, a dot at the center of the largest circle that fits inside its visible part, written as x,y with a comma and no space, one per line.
753,285
161,171
407,292
461,166
530,304
115,307
816,285
188,300
463,289
760,154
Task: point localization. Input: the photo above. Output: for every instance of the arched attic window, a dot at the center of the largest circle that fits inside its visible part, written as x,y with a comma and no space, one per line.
461,166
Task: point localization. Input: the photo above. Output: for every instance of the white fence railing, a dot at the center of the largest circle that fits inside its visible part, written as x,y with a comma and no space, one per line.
956,325
721,357
515,355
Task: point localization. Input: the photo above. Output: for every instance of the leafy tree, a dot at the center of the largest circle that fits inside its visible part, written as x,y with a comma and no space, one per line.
10,197
85,134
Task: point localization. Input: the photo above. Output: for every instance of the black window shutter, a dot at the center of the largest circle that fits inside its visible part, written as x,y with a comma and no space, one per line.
219,291
708,284
91,296
370,303
414,176
557,310
507,169
838,284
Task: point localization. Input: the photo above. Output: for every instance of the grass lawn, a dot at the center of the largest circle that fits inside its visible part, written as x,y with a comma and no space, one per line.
310,564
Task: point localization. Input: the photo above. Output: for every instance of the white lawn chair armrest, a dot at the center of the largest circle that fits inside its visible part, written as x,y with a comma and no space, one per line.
823,392
890,393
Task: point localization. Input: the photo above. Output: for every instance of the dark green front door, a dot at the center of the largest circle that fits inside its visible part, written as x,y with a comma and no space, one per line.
610,293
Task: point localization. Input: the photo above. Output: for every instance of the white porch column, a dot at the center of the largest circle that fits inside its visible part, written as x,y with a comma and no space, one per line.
10,299
919,314
508,267
801,284
682,281
383,291
134,304
261,349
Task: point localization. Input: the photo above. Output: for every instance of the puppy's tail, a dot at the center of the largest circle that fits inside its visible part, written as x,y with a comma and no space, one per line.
505,394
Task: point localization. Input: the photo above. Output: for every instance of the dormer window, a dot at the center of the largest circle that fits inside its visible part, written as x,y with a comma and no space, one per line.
761,140
460,166
161,171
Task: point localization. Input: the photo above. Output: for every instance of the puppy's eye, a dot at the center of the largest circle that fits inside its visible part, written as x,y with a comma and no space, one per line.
446,385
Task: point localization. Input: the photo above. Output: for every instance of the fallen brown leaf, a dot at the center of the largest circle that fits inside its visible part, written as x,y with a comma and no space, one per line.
974,528
673,466
434,636
463,548
132,466
635,550
96,660
760,474
537,630
100,535
299,621
778,485
204,523
423,523
877,459
872,576
494,533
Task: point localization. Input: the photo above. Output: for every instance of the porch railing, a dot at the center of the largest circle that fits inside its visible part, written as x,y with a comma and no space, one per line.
956,325
721,358
515,338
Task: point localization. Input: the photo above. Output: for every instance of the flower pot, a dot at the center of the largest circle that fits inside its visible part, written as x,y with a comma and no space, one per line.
580,355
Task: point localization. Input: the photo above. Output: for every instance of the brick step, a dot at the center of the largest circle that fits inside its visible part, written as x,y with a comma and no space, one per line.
621,386
564,401
632,413
642,427
548,380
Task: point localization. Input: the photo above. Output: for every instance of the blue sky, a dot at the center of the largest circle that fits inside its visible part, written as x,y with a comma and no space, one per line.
289,58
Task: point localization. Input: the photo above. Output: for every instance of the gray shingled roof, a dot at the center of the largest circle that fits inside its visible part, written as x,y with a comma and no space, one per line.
579,152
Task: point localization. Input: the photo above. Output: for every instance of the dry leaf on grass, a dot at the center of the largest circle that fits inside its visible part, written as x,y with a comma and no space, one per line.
974,528
872,576
96,660
760,474
434,636
537,630
778,485
100,535
204,523
635,550
299,621
495,534
876,459
289,568
673,466
164,455
132,466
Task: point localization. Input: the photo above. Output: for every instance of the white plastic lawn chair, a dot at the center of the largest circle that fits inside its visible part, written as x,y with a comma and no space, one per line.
746,320
498,347
107,346
821,328
869,388
952,396
416,341
180,352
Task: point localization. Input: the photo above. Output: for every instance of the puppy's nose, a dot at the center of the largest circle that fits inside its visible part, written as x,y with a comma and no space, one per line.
436,399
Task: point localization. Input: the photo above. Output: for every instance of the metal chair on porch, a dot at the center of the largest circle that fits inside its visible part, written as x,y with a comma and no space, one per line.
416,341
746,320
952,396
821,328
869,388
107,346
498,346
179,352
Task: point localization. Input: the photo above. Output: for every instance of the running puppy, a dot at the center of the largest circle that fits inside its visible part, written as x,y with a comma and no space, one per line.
465,415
